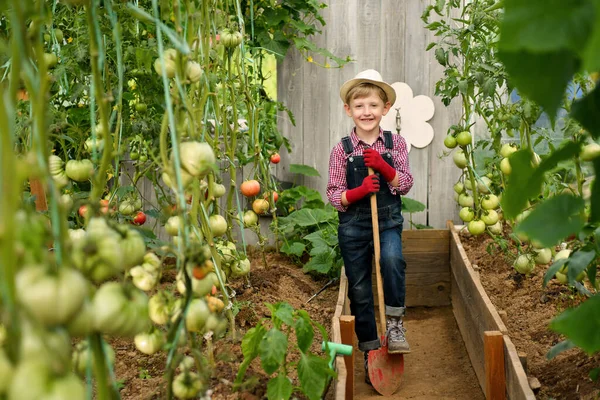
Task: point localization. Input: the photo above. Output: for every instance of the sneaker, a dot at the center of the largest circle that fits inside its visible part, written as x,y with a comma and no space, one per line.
396,340
367,379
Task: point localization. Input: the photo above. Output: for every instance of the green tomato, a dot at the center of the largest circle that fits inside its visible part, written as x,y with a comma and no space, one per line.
50,59
240,268
476,227
250,218
459,187
193,71
490,202
149,342
507,149
465,200
466,214
187,385
196,316
505,166
450,141
590,152
460,159
218,225
134,155
543,256
464,138
52,298
197,158
524,264
174,225
141,107
79,170
59,35
490,217
496,229
159,307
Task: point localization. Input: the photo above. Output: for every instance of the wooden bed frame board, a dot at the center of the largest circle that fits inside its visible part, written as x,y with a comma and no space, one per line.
475,314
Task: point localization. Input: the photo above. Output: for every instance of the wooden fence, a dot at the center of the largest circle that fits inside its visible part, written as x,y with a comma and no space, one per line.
389,36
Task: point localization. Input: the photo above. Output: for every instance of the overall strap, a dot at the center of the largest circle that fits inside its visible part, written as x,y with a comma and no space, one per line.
387,139
347,144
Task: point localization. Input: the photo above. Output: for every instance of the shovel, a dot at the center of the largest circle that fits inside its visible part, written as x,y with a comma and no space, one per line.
385,370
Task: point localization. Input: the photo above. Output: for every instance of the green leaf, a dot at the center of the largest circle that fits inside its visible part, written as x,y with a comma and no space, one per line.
554,219
252,340
250,346
309,217
321,262
542,77
591,55
585,111
581,325
279,388
278,45
553,269
304,332
293,248
542,26
412,206
525,182
284,312
302,169
559,348
313,372
579,261
273,348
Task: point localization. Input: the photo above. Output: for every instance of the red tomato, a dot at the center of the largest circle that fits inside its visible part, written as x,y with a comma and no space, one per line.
250,188
267,196
140,218
275,158
83,211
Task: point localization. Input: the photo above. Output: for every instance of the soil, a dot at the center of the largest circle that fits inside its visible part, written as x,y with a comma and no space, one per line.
529,308
141,376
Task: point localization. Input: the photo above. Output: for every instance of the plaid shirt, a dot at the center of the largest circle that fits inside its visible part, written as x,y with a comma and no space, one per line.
336,185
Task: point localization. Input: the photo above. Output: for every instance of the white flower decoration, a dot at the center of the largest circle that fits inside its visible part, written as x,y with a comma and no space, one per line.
414,114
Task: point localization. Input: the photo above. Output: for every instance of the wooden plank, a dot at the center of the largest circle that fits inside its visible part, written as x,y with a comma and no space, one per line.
342,41
393,35
443,172
471,288
470,332
290,87
495,382
426,240
368,28
37,190
431,263
336,337
416,67
517,383
347,330
474,315
315,114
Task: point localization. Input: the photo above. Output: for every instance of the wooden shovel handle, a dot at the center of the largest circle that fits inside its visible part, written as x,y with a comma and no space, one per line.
377,245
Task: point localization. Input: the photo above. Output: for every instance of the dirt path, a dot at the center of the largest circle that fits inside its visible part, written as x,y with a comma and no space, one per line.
438,366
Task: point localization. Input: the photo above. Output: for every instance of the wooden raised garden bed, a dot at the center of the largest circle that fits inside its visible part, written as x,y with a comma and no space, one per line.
440,274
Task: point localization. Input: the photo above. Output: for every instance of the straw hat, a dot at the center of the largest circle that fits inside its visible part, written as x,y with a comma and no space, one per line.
368,76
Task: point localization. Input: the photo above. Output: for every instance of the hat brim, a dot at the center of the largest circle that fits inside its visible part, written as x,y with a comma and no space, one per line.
389,91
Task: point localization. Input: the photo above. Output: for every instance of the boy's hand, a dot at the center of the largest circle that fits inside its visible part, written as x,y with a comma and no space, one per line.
369,185
374,160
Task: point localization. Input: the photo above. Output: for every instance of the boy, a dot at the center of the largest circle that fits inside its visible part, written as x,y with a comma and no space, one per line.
367,98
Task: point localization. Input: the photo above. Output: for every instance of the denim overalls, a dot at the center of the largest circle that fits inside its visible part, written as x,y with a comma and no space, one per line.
355,233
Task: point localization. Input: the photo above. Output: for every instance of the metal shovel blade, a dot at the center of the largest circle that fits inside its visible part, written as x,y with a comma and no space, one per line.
385,370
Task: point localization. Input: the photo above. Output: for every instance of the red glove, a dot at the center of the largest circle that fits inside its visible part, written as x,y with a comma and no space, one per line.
374,160
369,185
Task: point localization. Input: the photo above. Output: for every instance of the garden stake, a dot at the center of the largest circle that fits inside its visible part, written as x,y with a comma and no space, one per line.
385,370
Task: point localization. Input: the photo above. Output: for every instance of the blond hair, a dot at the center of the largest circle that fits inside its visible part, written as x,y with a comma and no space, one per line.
365,89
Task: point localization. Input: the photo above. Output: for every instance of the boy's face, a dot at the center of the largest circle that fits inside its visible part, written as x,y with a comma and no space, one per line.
366,112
